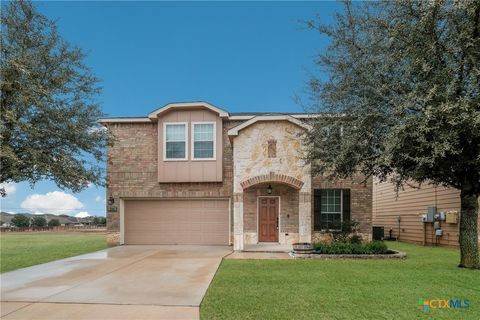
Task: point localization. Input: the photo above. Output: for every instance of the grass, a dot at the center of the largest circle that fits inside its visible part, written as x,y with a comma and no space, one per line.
343,289
19,250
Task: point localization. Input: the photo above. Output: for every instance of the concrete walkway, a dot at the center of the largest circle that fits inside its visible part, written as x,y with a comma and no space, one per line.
127,282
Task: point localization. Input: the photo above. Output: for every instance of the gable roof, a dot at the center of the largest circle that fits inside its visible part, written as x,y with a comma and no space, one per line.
153,116
235,130
187,105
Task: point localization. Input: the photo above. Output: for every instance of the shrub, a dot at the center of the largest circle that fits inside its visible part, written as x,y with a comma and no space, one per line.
356,238
341,231
377,247
374,247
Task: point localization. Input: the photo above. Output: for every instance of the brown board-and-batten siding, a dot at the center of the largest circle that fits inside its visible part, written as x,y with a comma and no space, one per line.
409,205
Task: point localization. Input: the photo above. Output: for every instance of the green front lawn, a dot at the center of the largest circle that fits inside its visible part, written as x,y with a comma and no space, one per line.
19,250
343,289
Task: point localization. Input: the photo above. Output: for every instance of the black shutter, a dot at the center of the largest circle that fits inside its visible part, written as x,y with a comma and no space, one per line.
317,209
346,204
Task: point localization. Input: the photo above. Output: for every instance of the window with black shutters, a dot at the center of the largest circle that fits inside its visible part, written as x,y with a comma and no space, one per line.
331,208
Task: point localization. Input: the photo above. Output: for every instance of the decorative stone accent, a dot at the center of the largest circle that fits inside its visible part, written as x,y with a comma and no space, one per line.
305,217
288,238
272,177
272,148
250,238
238,241
113,239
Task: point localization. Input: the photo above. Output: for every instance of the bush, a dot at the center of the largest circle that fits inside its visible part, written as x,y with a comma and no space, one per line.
54,223
341,230
377,247
21,221
374,247
356,238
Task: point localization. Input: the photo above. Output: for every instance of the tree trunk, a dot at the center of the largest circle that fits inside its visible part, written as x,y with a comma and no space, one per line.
469,257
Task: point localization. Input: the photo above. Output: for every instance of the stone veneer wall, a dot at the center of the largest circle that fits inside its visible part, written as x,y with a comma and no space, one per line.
288,213
132,170
251,159
361,202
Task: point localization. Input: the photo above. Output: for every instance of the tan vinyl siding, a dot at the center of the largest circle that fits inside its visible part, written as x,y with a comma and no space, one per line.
409,205
190,170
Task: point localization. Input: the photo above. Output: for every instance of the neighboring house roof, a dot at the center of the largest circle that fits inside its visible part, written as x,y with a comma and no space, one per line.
234,131
152,116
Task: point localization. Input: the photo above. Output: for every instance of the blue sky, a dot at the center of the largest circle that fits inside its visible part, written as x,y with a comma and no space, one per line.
240,56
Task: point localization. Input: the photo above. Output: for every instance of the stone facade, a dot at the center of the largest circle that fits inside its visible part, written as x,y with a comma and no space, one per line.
255,166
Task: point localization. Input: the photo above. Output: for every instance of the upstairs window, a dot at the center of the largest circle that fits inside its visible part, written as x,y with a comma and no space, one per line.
203,140
175,147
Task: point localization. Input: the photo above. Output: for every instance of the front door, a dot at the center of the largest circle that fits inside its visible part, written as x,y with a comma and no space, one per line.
268,219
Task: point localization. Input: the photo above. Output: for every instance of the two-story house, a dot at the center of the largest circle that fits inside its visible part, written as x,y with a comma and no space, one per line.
192,173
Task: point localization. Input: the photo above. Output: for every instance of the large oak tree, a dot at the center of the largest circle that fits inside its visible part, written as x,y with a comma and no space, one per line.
404,87
48,104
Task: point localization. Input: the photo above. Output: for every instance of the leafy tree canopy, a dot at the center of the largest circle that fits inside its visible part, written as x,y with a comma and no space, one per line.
48,107
54,223
402,99
39,221
21,221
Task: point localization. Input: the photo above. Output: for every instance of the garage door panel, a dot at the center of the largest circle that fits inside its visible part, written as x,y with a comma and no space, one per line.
186,221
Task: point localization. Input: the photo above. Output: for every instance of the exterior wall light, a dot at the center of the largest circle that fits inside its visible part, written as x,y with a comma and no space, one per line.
111,200
269,189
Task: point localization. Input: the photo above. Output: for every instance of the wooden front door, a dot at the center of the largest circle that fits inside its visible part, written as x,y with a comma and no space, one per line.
268,219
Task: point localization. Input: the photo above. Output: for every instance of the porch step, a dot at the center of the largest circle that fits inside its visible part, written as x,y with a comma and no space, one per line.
268,248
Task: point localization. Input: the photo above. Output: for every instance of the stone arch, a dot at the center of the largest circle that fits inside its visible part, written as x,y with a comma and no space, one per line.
272,177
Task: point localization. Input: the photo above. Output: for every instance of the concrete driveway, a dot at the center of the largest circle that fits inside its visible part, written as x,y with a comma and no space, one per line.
127,282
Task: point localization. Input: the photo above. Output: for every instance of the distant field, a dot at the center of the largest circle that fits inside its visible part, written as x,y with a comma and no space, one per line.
19,250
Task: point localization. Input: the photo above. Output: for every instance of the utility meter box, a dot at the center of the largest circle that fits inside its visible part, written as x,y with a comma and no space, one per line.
431,212
451,217
439,232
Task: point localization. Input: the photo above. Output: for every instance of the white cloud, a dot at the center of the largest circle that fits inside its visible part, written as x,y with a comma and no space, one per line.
56,202
89,185
98,198
82,214
38,213
10,188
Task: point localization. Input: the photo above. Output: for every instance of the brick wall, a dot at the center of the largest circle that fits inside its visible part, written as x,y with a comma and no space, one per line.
361,198
288,207
132,169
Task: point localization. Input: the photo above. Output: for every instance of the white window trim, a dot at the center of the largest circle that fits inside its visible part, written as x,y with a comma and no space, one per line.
341,209
192,145
165,124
